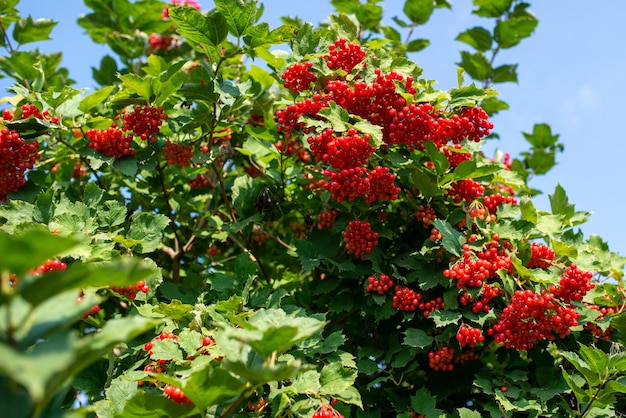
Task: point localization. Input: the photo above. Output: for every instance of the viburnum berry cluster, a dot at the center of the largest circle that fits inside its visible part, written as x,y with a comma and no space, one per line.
326,411
111,142
442,359
573,284
298,77
158,42
144,121
467,335
379,284
345,55
326,219
406,299
177,154
541,256
131,291
475,267
50,265
359,238
16,158
28,110
176,394
532,317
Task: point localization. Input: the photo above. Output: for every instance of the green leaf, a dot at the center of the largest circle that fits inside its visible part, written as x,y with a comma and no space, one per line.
240,14
477,37
335,378
437,157
336,115
417,338
476,65
19,254
209,30
111,213
595,358
529,213
580,394
149,405
493,105
592,377
453,239
369,15
491,8
332,342
260,34
147,228
96,98
443,318
142,86
559,203
166,350
468,413
504,74
467,96
416,45
470,170
120,272
510,32
541,137
418,11
423,402
28,30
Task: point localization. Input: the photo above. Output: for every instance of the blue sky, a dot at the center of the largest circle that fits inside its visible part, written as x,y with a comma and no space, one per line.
571,76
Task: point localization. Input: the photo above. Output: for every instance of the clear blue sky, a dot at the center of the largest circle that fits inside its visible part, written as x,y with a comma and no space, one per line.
571,75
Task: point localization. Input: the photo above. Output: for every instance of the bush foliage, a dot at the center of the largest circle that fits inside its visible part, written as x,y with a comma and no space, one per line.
246,220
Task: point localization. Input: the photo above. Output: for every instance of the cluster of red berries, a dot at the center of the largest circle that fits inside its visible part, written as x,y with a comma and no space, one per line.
16,157
541,256
326,411
345,55
288,119
435,235
326,219
200,181
487,294
213,251
29,110
431,305
467,335
258,406
177,154
111,142
131,291
573,284
492,201
176,395
144,121
381,284
348,151
293,147
465,190
475,267
532,317
50,265
382,185
298,77
359,238
406,299
455,155
441,359
426,215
